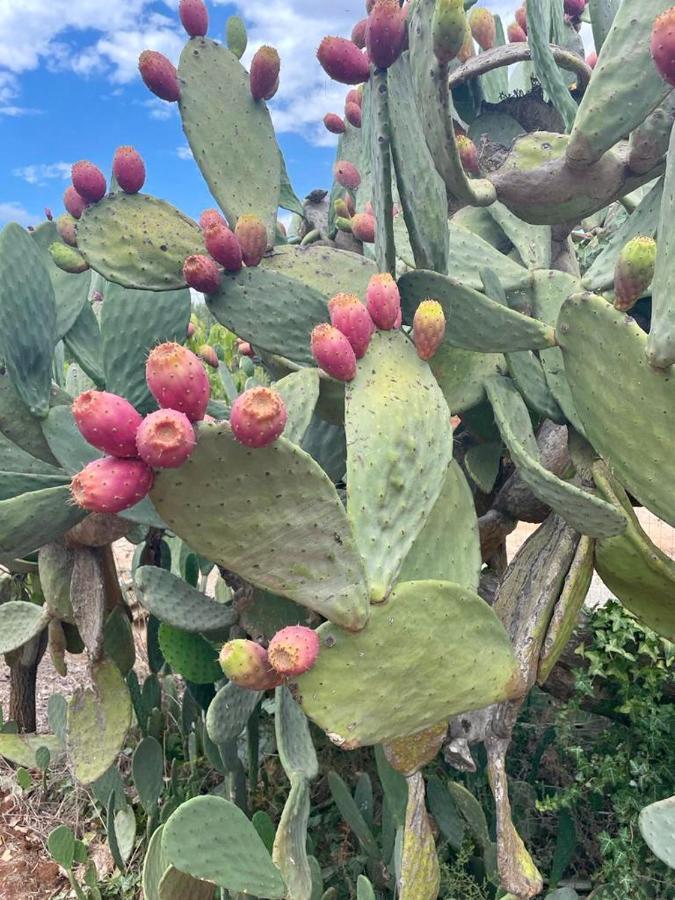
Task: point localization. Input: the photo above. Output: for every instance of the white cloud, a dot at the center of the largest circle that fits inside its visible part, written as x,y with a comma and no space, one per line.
39,173
184,152
11,211
159,109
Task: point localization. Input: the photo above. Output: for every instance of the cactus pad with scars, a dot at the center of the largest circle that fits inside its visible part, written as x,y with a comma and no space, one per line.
172,600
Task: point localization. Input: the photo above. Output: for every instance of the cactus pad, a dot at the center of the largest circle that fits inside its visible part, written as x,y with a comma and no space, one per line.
657,826
300,391
174,601
460,374
19,622
30,520
325,269
190,655
229,711
71,292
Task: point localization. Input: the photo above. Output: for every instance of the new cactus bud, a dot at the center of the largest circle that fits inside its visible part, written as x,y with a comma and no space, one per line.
68,258
448,28
341,209
428,328
258,416
333,352
73,202
385,33
109,485
252,237
129,169
293,650
359,33
201,273
483,27
663,45
108,422
194,17
66,227
351,317
208,355
574,7
343,224
88,181
246,664
159,75
347,174
353,114
211,217
48,214
165,439
521,17
363,227
468,154
177,380
342,60
383,300
334,123
223,246
264,75
592,59
634,271
515,34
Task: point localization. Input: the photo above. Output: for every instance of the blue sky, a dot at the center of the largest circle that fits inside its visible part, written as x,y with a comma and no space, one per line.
69,90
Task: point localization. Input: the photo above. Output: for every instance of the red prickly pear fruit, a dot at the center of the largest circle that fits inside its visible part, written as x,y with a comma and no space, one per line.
159,75
359,33
246,664
353,114
107,421
333,352
165,439
347,174
223,246
74,203
341,209
574,7
483,27
191,329
48,214
293,650
634,271
383,300
177,380
468,154
244,348
109,485
201,273
515,34
88,181
208,355
351,317
663,45
521,17
334,123
211,217
428,328
66,227
264,75
354,95
363,228
342,60
385,33
448,29
129,169
194,17
592,59
258,416
252,236
349,202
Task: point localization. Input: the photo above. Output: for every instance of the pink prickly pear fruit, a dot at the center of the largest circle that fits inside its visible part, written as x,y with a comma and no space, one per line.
574,7
194,17
165,439
342,60
201,273
521,17
468,154
129,169
246,664
258,416
363,228
448,29
483,27
68,258
159,75
592,59
334,123
368,209
109,485
211,217
355,95
385,33
223,246
663,45
383,300
515,34
293,650
48,214
191,329
88,181
66,227
353,114
108,422
208,355
264,75
634,271
74,202
341,209
177,380
244,348
359,33
347,174
252,236
399,320
349,202
428,328
333,352
351,317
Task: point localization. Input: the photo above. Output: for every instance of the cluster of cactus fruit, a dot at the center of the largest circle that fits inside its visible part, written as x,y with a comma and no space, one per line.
485,379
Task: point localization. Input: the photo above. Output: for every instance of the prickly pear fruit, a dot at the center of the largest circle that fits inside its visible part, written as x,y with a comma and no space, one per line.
165,439
246,664
351,317
109,485
252,237
244,348
363,227
574,7
383,300
468,154
334,123
211,217
355,95
342,60
428,328
194,17
258,416
201,273
129,169
341,210
73,202
66,227
159,75
359,33
223,246
177,380
68,258
467,50
515,34
349,203
634,271
385,33
663,45
353,114
333,352
347,174
88,181
48,214
448,28
208,355
521,17
592,59
343,224
107,421
264,75
483,27
293,650
191,329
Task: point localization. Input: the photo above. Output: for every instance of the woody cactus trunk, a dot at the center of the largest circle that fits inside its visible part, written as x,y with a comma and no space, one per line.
463,177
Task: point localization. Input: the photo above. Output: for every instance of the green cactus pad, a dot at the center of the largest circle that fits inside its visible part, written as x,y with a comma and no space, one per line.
231,135
190,655
661,343
533,243
545,67
583,511
27,318
360,690
83,343
236,35
14,459
98,721
263,614
228,851
19,622
380,147
118,640
657,827
229,711
294,540
294,742
470,253
461,373
325,442
65,440
595,338
478,323
148,772
528,376
12,484
289,851
300,391
21,748
398,438
138,241
20,427
31,520
482,462
177,885
325,269
55,567
174,601
154,866
71,292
